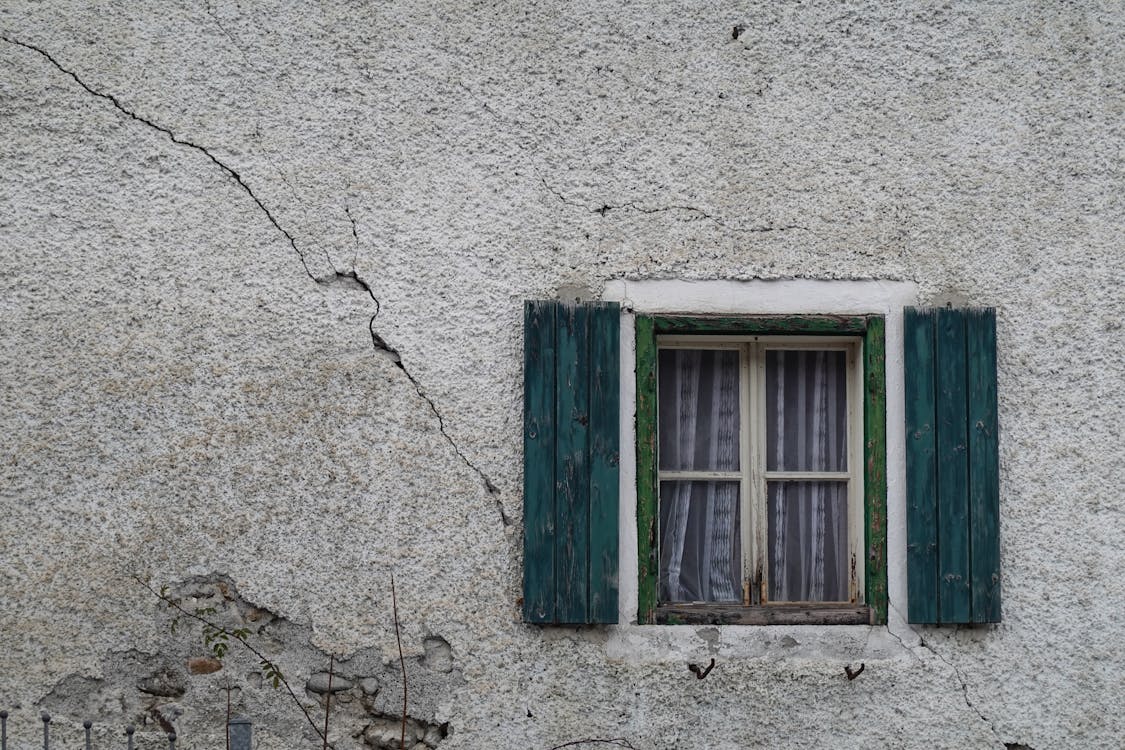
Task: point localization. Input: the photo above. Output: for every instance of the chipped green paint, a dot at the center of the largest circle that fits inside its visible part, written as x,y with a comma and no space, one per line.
814,325
872,328
646,468
875,466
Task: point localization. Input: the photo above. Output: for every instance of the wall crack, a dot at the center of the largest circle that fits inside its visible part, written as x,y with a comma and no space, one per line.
350,277
228,170
380,344
696,213
956,673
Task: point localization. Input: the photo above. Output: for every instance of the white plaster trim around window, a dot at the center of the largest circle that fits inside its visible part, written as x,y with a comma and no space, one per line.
630,641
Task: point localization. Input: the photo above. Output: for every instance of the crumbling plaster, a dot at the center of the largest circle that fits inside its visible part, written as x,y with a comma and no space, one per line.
263,268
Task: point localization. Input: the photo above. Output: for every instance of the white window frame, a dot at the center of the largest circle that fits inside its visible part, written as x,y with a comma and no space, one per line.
754,477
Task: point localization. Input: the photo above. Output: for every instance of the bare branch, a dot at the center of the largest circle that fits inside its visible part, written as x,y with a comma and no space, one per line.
249,647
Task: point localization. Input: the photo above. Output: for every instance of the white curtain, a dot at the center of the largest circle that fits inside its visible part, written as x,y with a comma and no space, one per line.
806,430
700,553
806,412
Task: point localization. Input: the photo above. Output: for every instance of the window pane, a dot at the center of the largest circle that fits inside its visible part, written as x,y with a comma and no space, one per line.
807,541
698,410
700,543
806,410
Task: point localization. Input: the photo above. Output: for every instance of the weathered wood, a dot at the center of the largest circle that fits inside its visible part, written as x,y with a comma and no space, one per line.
875,467
751,325
774,614
539,461
921,472
572,478
952,468
647,493
984,469
604,459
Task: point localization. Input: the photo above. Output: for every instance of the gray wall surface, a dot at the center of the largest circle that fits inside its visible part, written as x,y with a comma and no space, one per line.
260,335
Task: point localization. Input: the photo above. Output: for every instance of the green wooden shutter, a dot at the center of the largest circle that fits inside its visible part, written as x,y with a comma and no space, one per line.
952,466
571,444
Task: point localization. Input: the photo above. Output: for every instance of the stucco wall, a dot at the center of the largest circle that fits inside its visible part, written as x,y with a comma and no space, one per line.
200,204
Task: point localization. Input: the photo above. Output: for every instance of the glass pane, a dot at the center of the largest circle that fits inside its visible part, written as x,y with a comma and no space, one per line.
807,541
806,410
698,409
700,543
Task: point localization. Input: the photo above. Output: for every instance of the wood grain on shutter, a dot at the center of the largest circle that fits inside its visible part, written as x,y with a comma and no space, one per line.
571,450
984,474
954,599
539,461
952,466
572,478
921,475
604,458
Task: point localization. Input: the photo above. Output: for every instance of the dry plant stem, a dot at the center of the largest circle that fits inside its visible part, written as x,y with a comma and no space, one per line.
401,661
198,618
328,698
228,715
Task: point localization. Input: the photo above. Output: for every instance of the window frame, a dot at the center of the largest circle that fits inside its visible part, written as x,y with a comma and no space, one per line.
870,329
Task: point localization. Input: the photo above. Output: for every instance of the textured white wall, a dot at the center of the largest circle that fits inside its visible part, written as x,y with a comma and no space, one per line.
193,197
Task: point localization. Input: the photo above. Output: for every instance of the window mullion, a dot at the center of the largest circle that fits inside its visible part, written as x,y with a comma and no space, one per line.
757,493
760,487
746,463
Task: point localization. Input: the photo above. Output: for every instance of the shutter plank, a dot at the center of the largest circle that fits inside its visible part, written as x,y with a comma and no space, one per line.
604,458
572,481
954,600
539,461
984,478
921,474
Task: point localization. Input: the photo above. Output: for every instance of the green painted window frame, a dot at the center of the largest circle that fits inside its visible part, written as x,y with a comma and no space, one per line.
872,330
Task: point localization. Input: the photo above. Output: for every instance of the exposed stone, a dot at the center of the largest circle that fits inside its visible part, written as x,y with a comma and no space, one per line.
369,685
385,733
319,683
433,736
204,665
438,654
166,715
165,684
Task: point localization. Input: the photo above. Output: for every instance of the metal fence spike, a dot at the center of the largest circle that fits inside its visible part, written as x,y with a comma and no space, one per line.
46,730
129,735
171,741
86,725
3,730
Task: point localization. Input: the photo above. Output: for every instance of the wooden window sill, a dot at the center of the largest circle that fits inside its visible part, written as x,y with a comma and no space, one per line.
774,614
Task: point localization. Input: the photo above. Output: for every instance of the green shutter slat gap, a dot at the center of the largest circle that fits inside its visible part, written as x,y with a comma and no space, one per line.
952,469
571,448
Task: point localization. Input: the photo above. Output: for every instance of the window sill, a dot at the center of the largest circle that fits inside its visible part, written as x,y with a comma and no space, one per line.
776,614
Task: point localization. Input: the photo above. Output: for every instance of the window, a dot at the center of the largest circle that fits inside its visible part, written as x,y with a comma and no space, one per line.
760,494
730,458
